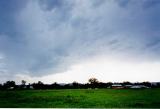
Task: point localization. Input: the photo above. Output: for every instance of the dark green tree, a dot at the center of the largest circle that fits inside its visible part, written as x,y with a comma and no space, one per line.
93,80
75,84
9,84
23,82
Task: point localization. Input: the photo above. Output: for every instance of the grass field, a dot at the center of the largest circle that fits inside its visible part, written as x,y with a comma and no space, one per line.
81,98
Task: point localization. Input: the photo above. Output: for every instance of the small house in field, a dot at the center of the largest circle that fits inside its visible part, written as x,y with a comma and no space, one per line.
128,86
138,87
117,86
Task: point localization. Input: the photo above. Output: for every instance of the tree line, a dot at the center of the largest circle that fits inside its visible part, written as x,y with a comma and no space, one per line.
93,83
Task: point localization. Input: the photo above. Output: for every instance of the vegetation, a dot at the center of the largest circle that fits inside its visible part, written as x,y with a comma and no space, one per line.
82,98
92,83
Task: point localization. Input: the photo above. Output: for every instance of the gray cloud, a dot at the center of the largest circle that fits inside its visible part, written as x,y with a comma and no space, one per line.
49,36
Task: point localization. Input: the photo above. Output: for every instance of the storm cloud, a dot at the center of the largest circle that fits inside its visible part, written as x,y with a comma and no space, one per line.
48,36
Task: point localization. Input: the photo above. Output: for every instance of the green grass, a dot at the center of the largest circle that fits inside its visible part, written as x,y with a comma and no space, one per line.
81,98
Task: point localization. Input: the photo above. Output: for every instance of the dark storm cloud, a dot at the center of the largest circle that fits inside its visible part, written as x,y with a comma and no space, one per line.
8,11
51,4
48,36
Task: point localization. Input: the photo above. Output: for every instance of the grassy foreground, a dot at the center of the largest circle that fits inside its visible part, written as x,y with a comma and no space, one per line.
81,98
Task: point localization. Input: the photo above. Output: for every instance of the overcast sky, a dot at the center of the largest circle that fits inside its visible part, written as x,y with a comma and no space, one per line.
73,40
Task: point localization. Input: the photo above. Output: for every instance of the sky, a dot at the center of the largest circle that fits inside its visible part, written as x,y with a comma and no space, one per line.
73,40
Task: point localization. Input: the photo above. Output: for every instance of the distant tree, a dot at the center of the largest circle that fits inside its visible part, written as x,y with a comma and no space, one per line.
109,83
55,85
23,82
9,84
158,85
126,83
38,85
94,83
40,82
75,84
29,86
1,86
93,80
148,84
101,85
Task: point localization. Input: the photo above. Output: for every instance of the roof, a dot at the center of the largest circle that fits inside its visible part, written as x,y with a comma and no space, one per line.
117,85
